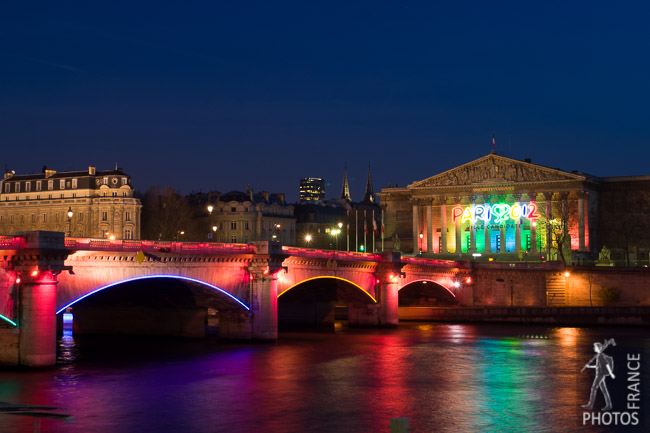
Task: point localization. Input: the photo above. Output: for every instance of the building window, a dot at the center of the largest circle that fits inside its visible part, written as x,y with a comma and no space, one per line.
49,196
28,186
38,197
50,185
44,217
233,225
104,216
7,186
62,195
246,209
62,184
233,239
246,225
74,195
56,217
124,194
11,219
124,181
38,185
245,239
74,182
33,218
17,187
81,216
127,216
106,180
220,226
233,209
128,234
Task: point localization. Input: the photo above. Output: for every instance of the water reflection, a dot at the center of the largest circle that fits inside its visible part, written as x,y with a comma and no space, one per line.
442,377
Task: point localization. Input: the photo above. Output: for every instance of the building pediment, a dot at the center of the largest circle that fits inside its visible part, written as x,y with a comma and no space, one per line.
497,169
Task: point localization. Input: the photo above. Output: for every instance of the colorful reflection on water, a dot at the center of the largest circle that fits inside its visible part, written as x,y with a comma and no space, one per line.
443,377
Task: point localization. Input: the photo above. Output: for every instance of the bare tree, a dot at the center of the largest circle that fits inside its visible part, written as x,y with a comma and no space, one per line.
558,227
166,215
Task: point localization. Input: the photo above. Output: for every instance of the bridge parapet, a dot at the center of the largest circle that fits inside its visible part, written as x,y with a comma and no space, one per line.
89,244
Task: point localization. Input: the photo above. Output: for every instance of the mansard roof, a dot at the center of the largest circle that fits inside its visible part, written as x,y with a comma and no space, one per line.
495,169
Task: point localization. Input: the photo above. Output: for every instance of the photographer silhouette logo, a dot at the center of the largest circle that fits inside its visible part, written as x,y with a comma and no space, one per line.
603,366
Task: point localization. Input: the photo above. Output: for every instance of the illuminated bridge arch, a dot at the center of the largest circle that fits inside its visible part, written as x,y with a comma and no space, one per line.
230,299
421,292
361,291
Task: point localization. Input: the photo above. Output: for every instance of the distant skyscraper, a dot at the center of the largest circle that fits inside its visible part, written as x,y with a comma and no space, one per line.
312,189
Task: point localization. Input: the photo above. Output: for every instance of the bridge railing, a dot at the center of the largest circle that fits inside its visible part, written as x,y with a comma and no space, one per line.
90,244
430,262
330,254
11,242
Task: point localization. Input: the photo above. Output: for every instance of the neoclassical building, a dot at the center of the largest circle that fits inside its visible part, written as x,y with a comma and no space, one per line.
244,217
495,208
89,203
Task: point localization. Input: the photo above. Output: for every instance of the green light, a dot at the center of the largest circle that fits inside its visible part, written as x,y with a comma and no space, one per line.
362,248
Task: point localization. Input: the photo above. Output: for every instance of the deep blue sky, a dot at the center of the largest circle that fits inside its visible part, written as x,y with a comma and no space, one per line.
218,95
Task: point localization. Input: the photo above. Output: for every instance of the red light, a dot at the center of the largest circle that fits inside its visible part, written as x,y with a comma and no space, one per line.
18,280
34,273
378,281
469,280
251,277
266,271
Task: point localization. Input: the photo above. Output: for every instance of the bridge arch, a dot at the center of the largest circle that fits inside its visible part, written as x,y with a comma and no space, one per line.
321,300
221,291
426,292
326,277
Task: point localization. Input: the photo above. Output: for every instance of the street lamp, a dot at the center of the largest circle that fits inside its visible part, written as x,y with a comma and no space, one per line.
308,239
421,236
69,221
210,209
335,233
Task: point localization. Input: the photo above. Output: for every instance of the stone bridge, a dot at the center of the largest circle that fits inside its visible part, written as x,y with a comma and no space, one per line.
237,285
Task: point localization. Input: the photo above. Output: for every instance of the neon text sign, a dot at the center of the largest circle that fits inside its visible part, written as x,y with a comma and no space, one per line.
496,212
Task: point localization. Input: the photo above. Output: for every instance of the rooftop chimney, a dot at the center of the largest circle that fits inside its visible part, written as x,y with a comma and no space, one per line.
91,170
49,172
527,160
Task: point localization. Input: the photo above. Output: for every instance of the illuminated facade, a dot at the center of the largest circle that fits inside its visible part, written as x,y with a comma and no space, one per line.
240,217
495,207
312,189
101,203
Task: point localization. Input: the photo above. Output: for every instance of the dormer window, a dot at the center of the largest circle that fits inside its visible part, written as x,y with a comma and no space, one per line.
106,180
17,187
74,182
62,184
50,185
38,185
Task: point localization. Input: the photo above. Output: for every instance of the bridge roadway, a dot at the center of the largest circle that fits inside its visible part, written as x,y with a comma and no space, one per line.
45,274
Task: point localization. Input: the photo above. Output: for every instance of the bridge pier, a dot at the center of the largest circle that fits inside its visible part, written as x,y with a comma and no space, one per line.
37,341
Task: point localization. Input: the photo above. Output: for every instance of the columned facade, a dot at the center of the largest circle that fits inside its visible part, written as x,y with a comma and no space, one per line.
494,208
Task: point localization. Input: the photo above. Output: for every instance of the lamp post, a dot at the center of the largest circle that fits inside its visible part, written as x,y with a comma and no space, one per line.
335,233
210,209
421,236
69,221
308,239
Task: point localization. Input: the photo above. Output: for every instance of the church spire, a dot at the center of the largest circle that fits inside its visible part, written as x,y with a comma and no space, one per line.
345,193
369,197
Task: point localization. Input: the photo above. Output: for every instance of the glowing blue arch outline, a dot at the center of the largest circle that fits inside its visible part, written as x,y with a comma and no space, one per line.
8,320
154,276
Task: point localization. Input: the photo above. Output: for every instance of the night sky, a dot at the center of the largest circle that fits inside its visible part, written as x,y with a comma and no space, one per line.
219,95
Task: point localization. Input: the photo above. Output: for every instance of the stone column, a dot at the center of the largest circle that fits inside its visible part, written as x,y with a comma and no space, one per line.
472,229
518,228
443,225
429,248
581,220
416,227
486,231
37,341
533,226
459,250
548,196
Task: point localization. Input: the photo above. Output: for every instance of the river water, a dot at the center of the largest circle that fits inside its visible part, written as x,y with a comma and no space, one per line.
443,377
